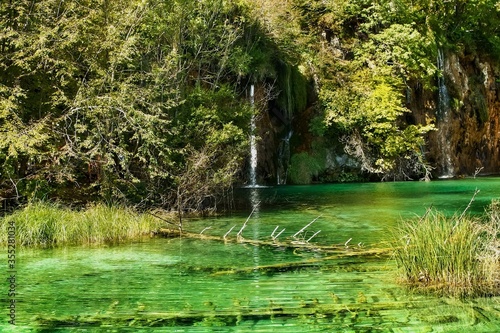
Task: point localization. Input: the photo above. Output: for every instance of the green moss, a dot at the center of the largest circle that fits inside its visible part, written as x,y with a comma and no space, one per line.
293,88
479,103
303,167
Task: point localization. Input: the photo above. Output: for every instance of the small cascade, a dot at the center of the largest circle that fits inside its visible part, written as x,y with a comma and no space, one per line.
283,159
253,142
443,120
444,97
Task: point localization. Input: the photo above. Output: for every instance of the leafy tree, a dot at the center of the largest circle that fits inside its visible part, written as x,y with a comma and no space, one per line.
365,56
369,110
121,98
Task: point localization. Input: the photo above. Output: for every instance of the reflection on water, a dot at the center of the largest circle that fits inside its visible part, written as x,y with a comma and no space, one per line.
255,202
183,285
363,212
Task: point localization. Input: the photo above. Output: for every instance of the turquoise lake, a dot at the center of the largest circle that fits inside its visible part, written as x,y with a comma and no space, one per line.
190,285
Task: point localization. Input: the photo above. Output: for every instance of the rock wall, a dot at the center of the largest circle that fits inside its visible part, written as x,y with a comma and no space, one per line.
467,139
271,130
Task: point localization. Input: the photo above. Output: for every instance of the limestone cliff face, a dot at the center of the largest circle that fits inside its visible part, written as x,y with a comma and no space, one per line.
467,138
464,106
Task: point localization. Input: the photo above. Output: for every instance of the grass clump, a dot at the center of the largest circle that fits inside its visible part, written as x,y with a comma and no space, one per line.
457,256
48,224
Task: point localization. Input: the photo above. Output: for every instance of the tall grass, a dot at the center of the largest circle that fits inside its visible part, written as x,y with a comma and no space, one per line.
48,224
456,255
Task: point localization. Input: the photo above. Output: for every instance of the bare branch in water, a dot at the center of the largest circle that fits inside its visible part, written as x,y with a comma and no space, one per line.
275,237
317,232
478,170
227,233
205,229
304,228
272,235
248,218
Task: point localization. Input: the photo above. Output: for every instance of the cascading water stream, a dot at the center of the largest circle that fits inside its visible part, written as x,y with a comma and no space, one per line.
443,120
253,142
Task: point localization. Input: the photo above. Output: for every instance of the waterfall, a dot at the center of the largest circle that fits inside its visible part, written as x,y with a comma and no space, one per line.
444,98
443,120
253,142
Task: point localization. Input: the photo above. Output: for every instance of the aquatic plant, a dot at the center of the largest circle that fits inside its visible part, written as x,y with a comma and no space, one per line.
49,224
456,255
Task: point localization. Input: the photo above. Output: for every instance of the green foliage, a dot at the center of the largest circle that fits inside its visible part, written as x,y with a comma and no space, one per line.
293,89
367,53
303,167
118,98
402,51
46,224
456,255
368,110
365,56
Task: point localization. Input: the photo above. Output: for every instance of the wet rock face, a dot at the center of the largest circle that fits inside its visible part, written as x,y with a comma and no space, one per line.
467,139
271,128
468,135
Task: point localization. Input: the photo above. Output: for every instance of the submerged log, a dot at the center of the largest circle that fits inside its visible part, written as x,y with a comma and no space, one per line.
294,265
332,252
343,249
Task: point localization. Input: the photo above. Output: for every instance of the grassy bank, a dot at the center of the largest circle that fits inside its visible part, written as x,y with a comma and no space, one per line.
48,224
454,256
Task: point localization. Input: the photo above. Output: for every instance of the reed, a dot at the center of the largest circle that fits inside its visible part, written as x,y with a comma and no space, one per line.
49,224
456,256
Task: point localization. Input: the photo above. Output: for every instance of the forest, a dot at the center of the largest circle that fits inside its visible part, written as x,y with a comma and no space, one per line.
146,102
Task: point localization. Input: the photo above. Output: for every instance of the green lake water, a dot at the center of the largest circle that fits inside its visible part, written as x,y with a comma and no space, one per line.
186,285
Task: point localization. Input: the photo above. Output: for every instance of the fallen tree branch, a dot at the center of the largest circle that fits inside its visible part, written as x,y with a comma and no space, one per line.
276,237
317,232
248,218
305,227
290,244
227,233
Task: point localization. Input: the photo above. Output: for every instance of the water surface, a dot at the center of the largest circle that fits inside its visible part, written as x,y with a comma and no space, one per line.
185,285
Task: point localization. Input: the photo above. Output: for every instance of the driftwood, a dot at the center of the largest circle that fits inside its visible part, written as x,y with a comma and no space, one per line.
331,252
292,243
337,251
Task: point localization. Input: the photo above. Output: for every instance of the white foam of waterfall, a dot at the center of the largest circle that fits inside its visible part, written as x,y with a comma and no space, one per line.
253,142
